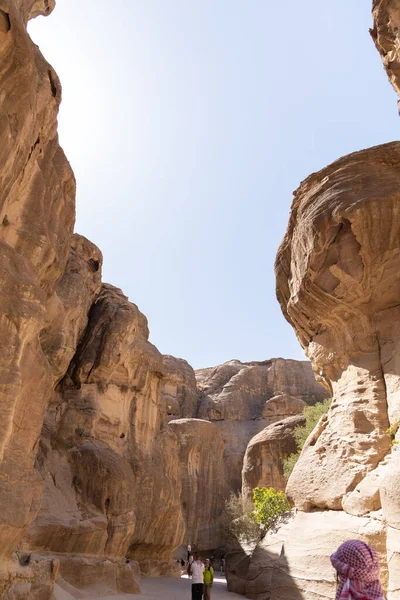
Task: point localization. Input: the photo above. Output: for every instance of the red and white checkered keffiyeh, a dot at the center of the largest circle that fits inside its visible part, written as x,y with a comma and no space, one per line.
358,568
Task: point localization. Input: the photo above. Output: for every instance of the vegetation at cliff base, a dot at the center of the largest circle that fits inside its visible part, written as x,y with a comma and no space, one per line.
301,432
247,522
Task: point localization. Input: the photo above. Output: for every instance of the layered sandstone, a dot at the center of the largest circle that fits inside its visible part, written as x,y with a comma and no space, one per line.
204,480
109,459
243,398
37,210
88,465
337,284
263,460
385,33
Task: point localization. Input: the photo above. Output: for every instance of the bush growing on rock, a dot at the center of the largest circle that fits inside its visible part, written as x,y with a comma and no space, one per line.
269,506
301,433
246,522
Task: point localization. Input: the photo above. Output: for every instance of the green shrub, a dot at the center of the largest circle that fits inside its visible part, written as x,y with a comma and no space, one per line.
269,506
246,523
301,433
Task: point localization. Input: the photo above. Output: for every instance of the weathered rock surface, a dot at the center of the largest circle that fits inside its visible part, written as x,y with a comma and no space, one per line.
294,561
262,464
37,212
179,388
204,481
385,33
81,409
243,398
337,284
109,459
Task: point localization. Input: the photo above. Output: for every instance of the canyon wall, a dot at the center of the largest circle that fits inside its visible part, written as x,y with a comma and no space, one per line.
90,476
244,398
337,284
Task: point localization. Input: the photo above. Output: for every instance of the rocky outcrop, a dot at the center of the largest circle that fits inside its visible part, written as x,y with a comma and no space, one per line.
179,388
262,464
109,459
293,562
243,398
204,481
385,33
336,284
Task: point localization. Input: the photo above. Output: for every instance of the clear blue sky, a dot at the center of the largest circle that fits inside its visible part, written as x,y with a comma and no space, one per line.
188,124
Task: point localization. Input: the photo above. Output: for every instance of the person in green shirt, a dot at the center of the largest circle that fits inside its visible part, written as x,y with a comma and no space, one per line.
208,579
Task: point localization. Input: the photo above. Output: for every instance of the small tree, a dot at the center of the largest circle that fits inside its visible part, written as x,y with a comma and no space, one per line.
238,522
269,506
301,432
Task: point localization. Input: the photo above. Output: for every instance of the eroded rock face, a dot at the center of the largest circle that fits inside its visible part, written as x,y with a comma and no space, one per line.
243,398
294,561
337,284
204,481
37,210
385,33
262,464
108,457
179,388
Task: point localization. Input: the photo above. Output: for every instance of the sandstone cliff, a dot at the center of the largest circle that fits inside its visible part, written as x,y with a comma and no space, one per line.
243,398
204,480
89,470
337,284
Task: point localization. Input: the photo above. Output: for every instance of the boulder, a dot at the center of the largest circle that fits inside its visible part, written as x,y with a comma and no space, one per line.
293,562
262,464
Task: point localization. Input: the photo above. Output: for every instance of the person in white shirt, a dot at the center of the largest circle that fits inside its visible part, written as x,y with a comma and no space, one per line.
197,572
189,551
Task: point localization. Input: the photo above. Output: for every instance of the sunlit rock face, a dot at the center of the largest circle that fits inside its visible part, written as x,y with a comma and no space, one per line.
385,33
37,210
108,457
263,460
337,283
88,465
243,398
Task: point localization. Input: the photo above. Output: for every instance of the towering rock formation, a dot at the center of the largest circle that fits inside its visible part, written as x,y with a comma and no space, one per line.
337,285
243,398
89,468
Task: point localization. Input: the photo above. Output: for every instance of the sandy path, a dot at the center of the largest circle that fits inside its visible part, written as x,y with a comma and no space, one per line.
174,589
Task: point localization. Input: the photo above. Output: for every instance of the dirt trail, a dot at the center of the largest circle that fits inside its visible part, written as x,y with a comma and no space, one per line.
174,589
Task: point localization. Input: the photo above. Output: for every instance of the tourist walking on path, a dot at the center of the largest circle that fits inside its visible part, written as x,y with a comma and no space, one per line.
357,566
197,573
189,551
208,579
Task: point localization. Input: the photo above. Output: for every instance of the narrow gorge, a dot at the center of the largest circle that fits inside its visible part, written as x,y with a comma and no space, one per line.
113,457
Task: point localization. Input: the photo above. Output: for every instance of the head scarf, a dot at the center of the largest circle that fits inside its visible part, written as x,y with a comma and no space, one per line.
358,568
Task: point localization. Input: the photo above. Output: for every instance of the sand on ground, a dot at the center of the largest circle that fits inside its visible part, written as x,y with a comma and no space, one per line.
174,589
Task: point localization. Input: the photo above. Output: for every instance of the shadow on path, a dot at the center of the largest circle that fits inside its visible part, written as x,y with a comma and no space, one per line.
174,589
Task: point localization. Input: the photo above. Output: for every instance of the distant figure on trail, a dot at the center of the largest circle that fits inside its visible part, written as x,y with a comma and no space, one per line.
189,551
190,561
197,573
222,568
208,579
357,567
